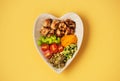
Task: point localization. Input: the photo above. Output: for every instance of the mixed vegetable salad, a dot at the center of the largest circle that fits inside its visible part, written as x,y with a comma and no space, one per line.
58,41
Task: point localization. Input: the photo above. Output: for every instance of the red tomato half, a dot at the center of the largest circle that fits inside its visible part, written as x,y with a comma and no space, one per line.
60,48
44,47
54,48
47,54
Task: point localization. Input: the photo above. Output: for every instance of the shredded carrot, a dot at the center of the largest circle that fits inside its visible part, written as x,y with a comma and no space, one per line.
68,39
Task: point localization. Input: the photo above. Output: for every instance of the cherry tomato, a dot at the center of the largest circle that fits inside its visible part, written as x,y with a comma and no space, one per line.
47,54
54,48
60,48
44,47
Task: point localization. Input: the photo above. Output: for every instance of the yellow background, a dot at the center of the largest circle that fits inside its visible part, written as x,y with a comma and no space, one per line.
99,56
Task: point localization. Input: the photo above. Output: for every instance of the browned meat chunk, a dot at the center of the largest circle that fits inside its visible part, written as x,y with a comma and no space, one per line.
54,24
47,23
62,26
51,32
48,35
44,31
67,32
70,23
72,31
58,33
62,33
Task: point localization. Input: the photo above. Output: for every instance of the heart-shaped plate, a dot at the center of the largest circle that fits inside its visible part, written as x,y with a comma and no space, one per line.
78,32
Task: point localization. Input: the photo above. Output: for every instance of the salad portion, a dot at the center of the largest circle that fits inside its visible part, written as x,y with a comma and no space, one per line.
58,41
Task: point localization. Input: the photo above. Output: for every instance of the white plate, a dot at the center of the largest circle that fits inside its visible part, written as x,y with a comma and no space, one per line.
78,31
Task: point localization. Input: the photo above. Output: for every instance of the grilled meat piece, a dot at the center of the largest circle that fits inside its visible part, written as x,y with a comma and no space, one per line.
44,31
58,33
62,26
72,31
70,23
55,24
62,33
68,31
50,33
47,23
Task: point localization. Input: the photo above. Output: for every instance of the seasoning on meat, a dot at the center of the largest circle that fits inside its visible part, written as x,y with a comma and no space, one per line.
55,24
44,31
47,23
